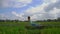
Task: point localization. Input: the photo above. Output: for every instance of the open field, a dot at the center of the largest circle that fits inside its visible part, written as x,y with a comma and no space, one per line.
19,28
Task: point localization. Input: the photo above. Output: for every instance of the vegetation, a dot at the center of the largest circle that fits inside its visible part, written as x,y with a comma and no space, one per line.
19,27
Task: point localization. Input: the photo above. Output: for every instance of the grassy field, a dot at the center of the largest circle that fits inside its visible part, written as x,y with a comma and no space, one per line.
19,28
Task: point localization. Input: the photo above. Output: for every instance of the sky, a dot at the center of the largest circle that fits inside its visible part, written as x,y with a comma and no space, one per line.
36,9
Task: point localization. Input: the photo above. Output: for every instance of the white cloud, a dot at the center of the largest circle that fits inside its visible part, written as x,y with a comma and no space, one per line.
19,16
36,10
24,1
3,16
50,1
55,12
16,14
50,9
15,3
51,6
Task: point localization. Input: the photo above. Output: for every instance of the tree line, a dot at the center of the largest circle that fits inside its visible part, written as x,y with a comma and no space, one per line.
48,20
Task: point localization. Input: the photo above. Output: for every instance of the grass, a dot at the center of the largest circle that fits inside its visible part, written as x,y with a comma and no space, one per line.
51,31
19,28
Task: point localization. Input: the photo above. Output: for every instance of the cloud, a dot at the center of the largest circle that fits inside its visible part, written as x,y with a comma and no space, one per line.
50,1
55,12
16,14
51,6
3,16
36,10
49,9
15,3
19,16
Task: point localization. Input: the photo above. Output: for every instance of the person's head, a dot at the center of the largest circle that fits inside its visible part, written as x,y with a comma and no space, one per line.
28,18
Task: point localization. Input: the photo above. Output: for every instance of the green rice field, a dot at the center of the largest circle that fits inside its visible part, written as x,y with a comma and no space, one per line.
19,28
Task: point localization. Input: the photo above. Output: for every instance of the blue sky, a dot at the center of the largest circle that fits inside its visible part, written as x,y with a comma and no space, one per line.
32,4
20,9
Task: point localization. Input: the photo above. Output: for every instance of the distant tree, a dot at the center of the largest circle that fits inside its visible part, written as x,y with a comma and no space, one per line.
58,19
49,20
55,20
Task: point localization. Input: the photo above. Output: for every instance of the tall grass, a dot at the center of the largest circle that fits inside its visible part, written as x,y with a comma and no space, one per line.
19,28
